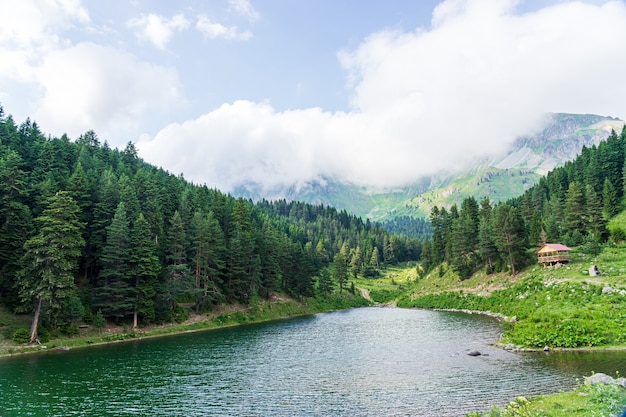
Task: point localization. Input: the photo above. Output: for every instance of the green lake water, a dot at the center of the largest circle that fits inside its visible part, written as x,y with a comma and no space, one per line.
361,362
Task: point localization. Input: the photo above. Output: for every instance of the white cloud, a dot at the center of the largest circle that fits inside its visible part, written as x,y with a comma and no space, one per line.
34,23
89,86
158,29
244,8
70,87
214,30
423,101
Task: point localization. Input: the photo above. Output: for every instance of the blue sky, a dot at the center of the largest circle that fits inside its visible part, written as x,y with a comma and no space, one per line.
283,92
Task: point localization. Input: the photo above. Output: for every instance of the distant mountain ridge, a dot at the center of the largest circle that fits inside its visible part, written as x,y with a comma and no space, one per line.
529,158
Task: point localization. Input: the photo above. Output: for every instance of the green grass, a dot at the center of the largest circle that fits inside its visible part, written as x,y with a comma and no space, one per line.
587,400
392,282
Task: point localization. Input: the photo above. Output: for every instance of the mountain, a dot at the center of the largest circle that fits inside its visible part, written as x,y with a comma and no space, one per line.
529,158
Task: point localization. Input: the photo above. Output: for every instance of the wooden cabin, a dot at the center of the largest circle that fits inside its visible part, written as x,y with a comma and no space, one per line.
553,254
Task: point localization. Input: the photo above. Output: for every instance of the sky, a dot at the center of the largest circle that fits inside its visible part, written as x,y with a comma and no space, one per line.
279,93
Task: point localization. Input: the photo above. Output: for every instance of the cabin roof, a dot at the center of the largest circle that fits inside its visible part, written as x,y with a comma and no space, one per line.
553,247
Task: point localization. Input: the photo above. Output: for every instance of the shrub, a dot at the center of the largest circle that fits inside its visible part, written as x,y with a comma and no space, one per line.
71,331
21,335
43,335
98,320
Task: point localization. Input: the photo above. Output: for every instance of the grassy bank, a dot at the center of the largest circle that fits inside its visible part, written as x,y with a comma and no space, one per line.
587,400
223,316
556,307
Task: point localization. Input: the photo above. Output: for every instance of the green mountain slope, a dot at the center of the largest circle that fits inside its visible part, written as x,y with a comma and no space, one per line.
529,158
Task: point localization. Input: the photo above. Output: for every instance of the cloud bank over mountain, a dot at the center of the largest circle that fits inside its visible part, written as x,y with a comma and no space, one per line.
480,76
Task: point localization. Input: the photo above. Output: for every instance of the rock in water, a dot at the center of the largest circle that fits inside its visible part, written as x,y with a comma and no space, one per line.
474,353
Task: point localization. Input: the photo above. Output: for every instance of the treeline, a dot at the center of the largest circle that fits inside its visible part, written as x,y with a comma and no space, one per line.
411,227
86,230
571,205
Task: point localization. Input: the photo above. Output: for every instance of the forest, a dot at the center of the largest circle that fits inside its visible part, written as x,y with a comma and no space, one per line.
89,233
571,205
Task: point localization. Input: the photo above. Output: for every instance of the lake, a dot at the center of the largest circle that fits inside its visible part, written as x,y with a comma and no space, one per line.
360,362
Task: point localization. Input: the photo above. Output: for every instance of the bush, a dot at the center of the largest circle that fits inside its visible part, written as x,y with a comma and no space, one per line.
71,330
618,234
43,335
21,335
591,247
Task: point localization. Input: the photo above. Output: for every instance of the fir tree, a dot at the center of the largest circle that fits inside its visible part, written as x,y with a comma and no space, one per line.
144,270
509,234
114,295
340,265
51,258
179,280
610,199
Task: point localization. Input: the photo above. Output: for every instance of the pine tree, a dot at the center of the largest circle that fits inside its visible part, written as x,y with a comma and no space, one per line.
486,246
388,250
340,265
269,253
574,209
144,270
179,280
356,262
99,322
51,257
426,256
208,249
115,295
595,223
324,282
509,234
610,199
464,239
375,259
15,222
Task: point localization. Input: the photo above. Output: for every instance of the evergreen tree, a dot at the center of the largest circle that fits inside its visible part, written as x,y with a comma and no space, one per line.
325,282
574,209
179,280
99,322
438,222
595,223
270,257
388,250
426,258
51,258
509,234
486,245
15,222
114,294
610,199
242,277
321,255
144,269
356,262
208,249
340,265
464,239
375,259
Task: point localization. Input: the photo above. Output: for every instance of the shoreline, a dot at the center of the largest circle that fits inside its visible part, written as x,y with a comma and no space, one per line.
524,349
241,317
226,317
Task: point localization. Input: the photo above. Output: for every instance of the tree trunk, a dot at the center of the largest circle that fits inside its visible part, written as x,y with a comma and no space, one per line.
512,261
33,327
135,319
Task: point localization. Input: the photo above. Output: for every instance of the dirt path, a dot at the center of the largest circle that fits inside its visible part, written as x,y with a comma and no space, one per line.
366,294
